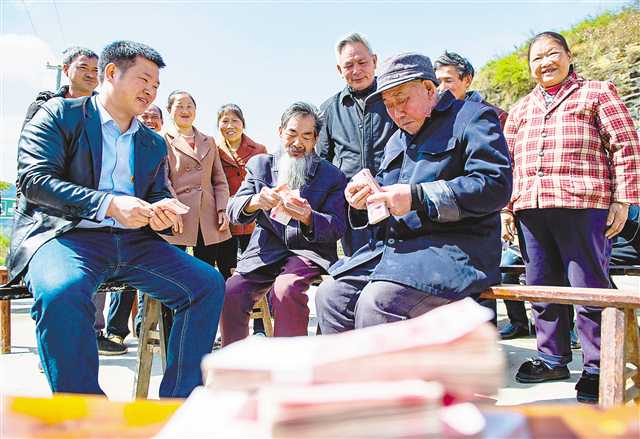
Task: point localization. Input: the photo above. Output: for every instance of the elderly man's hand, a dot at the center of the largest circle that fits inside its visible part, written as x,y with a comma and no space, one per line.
266,199
356,194
299,209
508,222
397,197
618,213
130,211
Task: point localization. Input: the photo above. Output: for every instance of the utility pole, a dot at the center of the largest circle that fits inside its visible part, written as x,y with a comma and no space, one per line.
57,67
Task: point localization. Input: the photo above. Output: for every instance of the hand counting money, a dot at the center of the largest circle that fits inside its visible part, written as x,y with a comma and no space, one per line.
378,211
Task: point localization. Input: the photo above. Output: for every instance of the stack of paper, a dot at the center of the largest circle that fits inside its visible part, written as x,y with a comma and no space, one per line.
403,409
453,345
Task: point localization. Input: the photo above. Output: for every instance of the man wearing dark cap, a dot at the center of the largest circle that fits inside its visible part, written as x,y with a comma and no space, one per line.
444,177
357,125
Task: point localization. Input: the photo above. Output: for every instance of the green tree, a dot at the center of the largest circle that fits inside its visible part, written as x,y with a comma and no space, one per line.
4,185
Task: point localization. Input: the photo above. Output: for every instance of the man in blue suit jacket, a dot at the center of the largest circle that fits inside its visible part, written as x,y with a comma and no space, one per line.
94,195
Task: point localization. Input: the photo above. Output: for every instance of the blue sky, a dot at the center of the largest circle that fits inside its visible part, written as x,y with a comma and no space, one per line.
260,55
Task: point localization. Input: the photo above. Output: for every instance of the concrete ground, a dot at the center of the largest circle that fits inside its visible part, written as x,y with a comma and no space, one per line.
19,373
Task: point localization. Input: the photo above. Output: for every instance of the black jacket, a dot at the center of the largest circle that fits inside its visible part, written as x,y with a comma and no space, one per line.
353,140
43,97
59,161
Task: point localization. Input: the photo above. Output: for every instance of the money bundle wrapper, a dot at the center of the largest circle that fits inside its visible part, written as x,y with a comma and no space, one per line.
378,211
400,409
453,345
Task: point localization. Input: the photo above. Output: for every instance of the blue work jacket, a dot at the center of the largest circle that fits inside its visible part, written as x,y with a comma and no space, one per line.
450,246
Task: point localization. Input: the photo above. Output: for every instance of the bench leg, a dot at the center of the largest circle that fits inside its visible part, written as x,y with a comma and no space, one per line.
612,355
5,326
632,355
150,319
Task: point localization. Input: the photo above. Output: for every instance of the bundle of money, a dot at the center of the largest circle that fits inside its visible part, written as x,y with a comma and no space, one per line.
400,409
376,212
287,197
453,345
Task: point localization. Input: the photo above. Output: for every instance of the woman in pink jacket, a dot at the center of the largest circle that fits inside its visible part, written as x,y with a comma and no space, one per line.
197,178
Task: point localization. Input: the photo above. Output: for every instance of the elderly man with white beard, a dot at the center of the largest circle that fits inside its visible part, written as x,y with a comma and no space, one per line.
297,201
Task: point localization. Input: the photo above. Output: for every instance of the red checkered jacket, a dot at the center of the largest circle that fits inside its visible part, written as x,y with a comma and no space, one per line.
582,151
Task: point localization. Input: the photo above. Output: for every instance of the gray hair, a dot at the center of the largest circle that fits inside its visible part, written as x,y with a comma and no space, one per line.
301,109
352,38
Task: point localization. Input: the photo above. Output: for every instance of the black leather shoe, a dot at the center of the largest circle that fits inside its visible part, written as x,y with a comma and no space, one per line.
110,347
588,386
511,331
536,371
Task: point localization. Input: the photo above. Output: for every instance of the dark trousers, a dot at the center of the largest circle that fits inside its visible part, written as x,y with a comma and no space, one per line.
566,247
119,310
353,240
352,301
222,255
288,282
516,310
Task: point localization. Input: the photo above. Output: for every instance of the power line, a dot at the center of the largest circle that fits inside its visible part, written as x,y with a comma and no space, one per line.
26,8
64,41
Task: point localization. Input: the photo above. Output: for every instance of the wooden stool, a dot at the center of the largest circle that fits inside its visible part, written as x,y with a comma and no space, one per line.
261,311
5,317
150,341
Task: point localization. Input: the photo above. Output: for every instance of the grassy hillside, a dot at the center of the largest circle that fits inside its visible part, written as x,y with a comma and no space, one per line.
606,47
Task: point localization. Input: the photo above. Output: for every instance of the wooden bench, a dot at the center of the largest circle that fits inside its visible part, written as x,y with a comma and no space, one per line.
151,340
614,270
620,339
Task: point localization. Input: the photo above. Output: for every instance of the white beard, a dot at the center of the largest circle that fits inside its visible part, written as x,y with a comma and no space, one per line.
293,171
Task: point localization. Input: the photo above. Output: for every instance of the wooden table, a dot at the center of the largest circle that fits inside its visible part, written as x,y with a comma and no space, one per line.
74,416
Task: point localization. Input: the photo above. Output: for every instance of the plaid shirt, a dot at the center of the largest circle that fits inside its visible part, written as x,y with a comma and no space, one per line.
581,151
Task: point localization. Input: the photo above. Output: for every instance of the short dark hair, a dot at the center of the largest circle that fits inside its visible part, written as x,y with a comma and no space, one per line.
302,109
70,54
124,53
158,109
231,108
461,64
172,97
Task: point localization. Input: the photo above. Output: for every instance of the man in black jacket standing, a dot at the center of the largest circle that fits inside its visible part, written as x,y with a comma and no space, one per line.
94,194
357,125
80,66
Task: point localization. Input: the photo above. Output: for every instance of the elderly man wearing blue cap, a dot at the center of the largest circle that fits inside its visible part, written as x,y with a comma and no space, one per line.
444,177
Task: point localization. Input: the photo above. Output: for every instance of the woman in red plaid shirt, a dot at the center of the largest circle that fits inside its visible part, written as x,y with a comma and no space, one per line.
576,164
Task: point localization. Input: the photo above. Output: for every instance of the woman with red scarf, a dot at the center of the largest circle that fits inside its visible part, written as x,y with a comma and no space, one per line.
576,170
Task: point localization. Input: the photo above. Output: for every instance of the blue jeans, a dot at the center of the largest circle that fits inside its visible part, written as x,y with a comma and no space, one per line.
64,312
